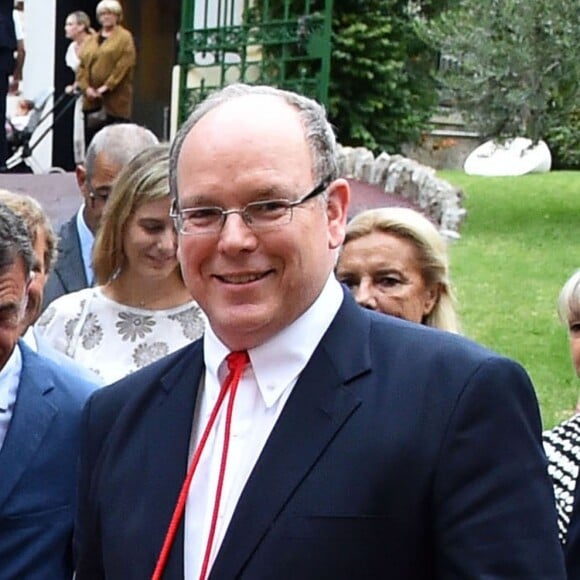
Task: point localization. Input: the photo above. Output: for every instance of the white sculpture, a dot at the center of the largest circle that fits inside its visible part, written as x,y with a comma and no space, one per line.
514,157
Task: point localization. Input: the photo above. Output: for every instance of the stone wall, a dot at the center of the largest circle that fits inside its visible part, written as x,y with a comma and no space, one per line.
401,176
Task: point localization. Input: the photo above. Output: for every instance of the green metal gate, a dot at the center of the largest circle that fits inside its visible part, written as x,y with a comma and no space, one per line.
282,43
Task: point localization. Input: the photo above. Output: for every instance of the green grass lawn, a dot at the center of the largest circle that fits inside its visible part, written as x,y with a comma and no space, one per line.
518,246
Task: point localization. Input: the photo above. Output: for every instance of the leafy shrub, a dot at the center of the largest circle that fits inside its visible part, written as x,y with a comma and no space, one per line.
381,91
564,142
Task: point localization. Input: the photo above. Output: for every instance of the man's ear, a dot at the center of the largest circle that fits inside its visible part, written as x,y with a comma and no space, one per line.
81,174
337,211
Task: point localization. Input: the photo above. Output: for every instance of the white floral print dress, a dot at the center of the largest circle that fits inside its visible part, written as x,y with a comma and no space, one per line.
112,339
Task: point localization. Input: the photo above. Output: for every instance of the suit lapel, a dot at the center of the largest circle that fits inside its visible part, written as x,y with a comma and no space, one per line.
319,406
70,267
33,414
168,438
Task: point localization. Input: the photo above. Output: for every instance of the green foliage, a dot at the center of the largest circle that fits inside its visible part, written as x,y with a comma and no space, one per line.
381,92
564,141
518,62
515,253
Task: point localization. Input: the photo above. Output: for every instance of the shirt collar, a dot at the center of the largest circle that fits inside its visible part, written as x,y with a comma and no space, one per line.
9,378
84,232
277,363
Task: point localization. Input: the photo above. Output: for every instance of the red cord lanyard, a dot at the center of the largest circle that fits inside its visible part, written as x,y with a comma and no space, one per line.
236,363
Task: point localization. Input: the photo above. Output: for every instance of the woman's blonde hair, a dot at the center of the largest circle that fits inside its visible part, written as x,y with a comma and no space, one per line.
145,178
569,300
36,221
432,249
110,6
82,18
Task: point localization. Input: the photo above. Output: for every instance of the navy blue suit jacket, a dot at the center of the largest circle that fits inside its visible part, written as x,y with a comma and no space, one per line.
402,453
38,469
68,274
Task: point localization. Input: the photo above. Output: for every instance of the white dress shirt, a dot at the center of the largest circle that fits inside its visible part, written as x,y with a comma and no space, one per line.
87,240
9,381
263,391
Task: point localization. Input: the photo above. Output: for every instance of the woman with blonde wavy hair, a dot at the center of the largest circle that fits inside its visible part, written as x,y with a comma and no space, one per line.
140,309
395,261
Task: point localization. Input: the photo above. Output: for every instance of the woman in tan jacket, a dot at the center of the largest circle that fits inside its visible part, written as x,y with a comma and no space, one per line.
105,73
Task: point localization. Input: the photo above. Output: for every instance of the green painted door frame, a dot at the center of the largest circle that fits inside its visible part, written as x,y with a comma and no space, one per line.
282,43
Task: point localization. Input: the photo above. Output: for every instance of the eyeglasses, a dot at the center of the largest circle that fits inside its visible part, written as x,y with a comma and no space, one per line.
257,215
101,194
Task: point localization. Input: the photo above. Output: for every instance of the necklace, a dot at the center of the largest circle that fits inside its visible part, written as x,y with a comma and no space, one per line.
138,294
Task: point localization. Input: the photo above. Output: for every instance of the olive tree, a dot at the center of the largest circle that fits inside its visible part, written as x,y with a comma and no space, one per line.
516,68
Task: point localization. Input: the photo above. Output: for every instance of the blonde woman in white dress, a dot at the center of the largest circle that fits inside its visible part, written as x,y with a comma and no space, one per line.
78,29
140,310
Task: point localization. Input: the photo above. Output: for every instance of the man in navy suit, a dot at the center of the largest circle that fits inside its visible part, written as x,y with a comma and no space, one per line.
40,409
109,151
355,446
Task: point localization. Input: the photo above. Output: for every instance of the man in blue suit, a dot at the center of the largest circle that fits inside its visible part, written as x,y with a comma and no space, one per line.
40,408
355,445
43,241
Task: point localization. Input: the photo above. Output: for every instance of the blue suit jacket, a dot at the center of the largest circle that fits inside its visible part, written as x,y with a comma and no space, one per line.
402,453
68,274
38,469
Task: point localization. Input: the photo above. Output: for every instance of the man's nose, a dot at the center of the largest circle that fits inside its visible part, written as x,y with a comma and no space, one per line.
236,235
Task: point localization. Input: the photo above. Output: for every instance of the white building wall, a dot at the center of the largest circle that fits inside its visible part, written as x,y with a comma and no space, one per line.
38,76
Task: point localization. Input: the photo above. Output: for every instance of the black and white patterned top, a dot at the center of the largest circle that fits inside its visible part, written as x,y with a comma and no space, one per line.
562,446
112,339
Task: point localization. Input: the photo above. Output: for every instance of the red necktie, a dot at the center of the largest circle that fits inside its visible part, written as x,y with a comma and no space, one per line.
236,363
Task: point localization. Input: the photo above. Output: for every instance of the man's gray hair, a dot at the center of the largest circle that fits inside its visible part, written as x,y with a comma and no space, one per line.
121,142
14,240
317,130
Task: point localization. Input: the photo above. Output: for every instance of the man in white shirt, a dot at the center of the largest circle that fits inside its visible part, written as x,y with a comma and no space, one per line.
109,151
355,446
40,407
